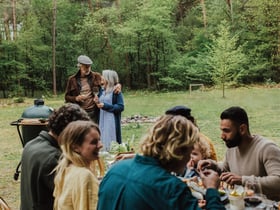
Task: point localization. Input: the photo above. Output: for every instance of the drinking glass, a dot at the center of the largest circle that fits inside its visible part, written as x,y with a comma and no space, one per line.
254,196
253,187
95,91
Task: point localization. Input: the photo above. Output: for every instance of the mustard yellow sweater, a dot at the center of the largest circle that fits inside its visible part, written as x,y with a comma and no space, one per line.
79,190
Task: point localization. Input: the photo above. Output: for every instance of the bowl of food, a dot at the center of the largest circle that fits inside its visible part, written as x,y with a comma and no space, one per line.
252,201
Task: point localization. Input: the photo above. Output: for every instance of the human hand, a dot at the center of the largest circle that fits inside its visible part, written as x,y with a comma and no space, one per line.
124,156
100,105
118,88
210,178
190,164
231,178
96,99
202,203
207,164
80,98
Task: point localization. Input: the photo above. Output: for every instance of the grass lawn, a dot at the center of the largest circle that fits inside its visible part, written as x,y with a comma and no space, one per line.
262,105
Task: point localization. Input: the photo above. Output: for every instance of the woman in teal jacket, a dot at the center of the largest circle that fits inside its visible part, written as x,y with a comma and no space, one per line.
146,181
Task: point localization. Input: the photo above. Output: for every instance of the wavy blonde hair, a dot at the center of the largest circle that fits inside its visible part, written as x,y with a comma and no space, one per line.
203,147
169,140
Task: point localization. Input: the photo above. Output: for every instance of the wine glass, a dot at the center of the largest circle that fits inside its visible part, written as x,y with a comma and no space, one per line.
253,187
253,194
95,91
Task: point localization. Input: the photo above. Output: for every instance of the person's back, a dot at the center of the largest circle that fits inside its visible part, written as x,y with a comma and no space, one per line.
147,181
39,158
147,186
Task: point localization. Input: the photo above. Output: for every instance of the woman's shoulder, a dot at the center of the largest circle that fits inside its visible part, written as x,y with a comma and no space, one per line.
80,172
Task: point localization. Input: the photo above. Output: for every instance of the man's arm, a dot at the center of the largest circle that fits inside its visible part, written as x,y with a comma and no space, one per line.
71,92
270,158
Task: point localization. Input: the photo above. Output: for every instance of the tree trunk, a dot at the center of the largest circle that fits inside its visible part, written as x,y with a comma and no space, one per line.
128,71
90,5
53,47
148,67
204,13
97,5
6,20
229,3
117,3
14,20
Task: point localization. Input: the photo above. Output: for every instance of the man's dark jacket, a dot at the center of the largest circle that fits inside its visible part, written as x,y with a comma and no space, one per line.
39,158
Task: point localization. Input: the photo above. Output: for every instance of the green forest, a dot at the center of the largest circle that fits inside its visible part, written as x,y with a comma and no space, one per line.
152,44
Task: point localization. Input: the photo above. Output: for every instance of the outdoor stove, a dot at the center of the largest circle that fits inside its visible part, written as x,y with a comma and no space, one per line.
33,120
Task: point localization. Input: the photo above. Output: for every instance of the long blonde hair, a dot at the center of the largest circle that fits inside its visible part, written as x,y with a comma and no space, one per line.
73,135
170,139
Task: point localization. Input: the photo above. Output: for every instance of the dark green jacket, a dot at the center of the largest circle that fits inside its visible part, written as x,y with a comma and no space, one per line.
39,158
142,184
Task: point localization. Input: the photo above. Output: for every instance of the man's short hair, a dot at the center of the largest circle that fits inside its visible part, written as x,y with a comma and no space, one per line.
235,114
67,113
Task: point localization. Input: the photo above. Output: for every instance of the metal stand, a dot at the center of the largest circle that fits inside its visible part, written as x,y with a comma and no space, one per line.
17,123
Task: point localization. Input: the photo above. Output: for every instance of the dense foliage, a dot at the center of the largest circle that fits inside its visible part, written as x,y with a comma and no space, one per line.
153,44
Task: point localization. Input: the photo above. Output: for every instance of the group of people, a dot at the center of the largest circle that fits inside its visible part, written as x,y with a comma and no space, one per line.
57,166
77,132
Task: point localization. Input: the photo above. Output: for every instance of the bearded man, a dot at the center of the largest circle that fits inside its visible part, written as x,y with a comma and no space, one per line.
248,157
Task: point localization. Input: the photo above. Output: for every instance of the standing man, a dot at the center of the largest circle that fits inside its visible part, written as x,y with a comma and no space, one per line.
40,156
248,157
83,86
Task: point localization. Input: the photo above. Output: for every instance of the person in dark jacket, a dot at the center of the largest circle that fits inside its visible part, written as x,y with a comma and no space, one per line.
147,181
40,156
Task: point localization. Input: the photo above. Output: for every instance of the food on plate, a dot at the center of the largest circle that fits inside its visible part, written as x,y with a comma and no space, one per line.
222,192
199,191
253,201
197,195
250,192
237,191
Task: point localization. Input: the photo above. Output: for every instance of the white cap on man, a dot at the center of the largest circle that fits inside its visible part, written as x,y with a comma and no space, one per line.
83,59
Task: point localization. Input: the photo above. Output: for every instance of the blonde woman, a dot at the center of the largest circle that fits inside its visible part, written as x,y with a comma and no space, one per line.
146,182
76,186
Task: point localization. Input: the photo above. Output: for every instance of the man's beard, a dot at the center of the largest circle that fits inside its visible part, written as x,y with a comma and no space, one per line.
235,141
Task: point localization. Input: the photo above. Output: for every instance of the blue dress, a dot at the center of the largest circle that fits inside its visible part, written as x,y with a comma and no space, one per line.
110,118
